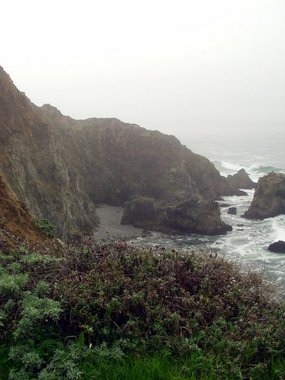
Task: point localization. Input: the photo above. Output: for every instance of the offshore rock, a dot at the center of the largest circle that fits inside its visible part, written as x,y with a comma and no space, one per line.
241,180
269,197
277,247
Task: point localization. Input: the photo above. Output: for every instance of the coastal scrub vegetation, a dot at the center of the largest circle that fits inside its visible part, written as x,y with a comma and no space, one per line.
46,227
112,310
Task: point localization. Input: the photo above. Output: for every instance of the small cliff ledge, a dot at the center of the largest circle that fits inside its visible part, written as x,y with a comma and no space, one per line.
269,197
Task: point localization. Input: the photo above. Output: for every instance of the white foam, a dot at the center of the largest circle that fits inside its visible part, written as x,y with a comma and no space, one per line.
278,229
255,171
230,166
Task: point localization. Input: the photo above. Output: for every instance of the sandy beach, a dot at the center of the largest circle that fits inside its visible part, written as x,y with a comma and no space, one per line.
110,224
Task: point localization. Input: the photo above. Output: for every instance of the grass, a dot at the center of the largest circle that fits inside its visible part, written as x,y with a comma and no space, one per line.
152,368
115,311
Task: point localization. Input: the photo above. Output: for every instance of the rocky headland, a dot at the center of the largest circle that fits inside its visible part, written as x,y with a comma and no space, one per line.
62,169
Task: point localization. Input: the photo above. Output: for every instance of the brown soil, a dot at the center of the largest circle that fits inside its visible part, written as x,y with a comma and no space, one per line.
16,224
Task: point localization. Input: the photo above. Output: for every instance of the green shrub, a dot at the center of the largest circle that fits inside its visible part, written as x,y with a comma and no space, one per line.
110,310
46,227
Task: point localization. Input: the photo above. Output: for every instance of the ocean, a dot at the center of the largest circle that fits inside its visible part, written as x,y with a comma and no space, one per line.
259,154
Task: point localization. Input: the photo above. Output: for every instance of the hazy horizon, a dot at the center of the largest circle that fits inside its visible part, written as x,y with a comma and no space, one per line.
180,67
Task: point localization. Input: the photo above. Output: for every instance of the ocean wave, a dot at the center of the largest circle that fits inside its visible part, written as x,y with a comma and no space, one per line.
265,169
228,166
278,228
255,171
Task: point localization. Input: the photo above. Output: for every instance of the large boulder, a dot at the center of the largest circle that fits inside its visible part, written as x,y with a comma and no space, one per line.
241,180
139,210
277,247
269,197
195,215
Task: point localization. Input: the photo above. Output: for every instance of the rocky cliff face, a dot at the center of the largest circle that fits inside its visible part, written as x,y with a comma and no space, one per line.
39,161
269,197
61,168
16,224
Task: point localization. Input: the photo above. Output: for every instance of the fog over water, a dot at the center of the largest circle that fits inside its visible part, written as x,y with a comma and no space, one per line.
257,145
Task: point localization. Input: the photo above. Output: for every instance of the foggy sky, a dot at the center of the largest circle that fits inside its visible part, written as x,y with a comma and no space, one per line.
176,66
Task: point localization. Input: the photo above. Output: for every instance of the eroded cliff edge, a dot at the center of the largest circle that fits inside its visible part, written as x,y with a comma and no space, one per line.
61,168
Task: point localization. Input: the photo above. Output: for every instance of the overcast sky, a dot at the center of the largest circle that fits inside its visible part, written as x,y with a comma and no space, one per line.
170,65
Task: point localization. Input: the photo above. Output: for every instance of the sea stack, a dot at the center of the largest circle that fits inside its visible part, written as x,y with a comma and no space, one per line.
269,197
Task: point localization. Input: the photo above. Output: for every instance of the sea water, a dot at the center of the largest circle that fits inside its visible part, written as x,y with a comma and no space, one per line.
248,242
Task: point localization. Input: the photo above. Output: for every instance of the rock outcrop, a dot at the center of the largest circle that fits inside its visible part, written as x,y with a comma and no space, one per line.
192,216
269,197
61,168
277,247
241,180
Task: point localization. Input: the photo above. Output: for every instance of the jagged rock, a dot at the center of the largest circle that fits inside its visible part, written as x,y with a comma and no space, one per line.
269,197
224,205
241,180
232,210
277,247
192,216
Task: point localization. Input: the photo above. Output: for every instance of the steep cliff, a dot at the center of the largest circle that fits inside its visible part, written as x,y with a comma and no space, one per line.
61,168
39,161
16,224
